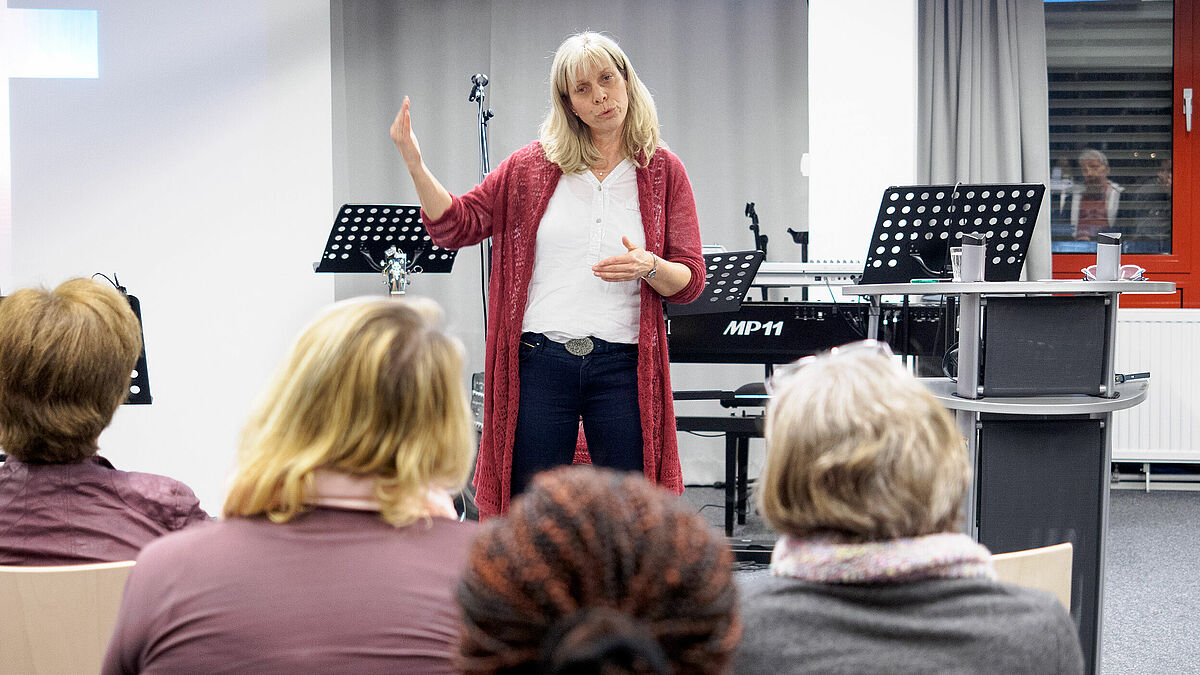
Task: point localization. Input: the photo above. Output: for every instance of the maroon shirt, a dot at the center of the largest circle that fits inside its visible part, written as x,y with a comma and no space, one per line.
1093,215
333,590
86,512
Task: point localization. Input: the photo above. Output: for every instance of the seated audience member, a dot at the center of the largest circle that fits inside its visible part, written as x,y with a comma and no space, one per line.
340,549
596,571
864,479
66,360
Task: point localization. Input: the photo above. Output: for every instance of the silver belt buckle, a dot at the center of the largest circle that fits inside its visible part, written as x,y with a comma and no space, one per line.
580,346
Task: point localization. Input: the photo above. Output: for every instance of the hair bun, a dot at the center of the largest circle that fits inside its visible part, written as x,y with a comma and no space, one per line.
602,640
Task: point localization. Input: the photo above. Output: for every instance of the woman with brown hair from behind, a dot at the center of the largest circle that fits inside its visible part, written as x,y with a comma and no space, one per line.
596,571
66,357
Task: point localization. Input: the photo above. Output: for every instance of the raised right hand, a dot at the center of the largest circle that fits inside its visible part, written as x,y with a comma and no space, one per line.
404,138
434,198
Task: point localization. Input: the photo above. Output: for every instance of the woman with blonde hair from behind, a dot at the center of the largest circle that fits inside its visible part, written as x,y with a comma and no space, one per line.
339,549
864,479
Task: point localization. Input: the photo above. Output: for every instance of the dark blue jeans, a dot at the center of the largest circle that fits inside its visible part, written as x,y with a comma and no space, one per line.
557,389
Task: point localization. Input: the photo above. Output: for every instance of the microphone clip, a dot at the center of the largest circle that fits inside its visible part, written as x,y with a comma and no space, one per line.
478,82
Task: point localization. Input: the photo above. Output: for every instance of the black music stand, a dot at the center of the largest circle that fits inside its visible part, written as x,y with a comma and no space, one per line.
362,233
139,380
917,225
139,384
727,281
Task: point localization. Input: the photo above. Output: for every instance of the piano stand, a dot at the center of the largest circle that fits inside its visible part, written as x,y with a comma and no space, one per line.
738,432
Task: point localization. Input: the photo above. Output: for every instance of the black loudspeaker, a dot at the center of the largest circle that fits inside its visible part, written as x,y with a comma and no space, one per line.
1040,346
1041,482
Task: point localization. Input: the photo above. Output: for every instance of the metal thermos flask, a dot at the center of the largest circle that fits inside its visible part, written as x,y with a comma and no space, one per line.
974,256
1108,256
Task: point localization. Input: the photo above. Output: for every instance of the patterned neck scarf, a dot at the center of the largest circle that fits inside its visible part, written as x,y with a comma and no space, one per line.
830,560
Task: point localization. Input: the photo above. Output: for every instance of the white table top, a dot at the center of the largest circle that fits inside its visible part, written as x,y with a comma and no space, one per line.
1129,394
1012,287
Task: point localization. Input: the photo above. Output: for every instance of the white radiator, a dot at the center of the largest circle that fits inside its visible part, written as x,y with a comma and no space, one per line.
1165,342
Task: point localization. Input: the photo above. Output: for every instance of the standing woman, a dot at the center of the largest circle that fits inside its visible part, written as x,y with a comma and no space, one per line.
592,226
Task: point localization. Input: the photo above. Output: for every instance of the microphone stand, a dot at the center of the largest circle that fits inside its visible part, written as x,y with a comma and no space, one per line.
760,243
760,239
479,96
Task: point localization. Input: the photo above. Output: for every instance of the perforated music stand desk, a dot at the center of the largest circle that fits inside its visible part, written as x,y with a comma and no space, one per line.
362,233
728,276
139,384
926,220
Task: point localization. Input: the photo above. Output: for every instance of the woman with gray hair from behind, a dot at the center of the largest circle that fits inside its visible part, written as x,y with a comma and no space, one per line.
864,479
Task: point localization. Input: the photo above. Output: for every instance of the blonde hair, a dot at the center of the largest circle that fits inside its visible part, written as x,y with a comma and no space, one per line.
565,139
857,447
371,388
66,359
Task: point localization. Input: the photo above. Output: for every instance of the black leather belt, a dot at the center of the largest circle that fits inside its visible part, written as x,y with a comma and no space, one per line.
581,347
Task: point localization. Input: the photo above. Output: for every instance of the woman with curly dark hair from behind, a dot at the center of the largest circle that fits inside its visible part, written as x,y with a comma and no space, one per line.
595,571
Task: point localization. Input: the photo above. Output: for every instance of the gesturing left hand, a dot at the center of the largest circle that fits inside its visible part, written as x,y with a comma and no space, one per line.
631,265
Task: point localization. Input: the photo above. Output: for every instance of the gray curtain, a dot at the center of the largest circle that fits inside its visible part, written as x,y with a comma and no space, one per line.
982,101
730,80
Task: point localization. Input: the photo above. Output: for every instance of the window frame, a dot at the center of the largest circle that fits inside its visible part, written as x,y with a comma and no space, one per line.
1178,266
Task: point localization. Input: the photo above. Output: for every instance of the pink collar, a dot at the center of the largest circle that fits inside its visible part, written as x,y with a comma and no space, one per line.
343,491
357,493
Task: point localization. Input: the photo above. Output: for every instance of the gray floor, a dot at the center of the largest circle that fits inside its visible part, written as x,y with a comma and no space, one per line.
1152,588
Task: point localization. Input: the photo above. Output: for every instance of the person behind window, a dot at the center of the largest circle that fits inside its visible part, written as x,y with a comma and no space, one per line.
66,360
597,571
864,479
340,548
1152,201
1095,203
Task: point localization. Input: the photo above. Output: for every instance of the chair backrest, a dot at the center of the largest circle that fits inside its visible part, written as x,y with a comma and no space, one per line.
1047,568
58,619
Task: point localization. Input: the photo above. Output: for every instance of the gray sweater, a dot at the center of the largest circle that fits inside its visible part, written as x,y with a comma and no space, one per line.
933,626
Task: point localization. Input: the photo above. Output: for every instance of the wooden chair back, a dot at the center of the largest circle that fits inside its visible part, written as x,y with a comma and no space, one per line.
1047,568
58,619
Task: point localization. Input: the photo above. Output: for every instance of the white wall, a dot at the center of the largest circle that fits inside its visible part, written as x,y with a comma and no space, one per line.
197,167
862,103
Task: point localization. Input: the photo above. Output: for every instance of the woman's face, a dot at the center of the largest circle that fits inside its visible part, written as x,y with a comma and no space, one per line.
600,98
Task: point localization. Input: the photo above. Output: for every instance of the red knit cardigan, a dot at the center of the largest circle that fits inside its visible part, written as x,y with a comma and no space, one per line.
508,206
